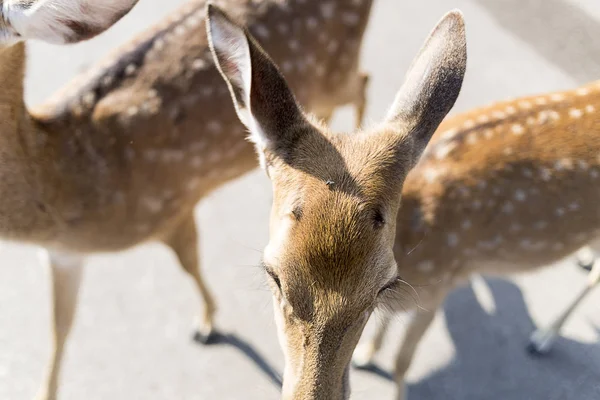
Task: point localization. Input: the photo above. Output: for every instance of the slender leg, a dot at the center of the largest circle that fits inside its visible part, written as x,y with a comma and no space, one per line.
365,352
360,103
541,340
184,242
415,331
65,273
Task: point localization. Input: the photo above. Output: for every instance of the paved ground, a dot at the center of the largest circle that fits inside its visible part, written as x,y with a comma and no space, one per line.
132,337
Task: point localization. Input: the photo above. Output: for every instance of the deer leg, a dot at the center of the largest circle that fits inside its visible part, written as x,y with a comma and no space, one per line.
184,242
416,329
365,352
65,274
541,340
360,103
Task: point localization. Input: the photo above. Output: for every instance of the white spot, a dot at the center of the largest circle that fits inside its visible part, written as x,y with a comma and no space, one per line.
214,126
107,81
589,108
574,206
452,239
527,173
515,227
520,195
207,91
582,164
488,133
193,21
283,28
193,184
214,156
469,124
89,98
498,114
545,174
449,134
481,184
311,23
425,266
575,113
483,119
196,162
153,205
472,138
593,173
563,163
333,46
158,44
540,225
557,97
198,64
130,69
466,224
151,155
582,91
180,30
261,31
431,174
477,204
169,156
530,120
553,115
469,252
525,104
490,244
508,207
442,151
132,111
517,129
541,101
327,9
350,18
287,66
510,110
528,244
559,212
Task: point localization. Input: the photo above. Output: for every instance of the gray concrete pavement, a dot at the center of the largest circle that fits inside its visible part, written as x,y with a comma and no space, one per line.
132,335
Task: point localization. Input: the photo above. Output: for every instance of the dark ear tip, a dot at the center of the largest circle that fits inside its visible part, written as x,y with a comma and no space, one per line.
214,12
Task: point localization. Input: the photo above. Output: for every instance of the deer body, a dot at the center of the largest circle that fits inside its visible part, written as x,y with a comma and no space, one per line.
502,189
122,155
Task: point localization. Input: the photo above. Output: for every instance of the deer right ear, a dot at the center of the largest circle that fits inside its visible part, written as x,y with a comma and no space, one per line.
263,101
432,83
60,21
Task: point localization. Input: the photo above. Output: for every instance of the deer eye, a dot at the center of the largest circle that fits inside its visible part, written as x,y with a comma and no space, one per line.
389,286
378,219
274,277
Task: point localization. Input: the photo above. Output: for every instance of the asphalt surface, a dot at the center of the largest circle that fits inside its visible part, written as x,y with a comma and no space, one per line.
132,338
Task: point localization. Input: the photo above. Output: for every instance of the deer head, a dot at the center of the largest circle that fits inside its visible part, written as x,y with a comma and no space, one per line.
336,196
58,21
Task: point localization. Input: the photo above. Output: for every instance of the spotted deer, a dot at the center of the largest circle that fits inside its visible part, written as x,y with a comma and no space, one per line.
502,189
122,155
330,258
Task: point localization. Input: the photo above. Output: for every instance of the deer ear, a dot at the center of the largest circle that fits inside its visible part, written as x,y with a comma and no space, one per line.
61,21
261,96
432,83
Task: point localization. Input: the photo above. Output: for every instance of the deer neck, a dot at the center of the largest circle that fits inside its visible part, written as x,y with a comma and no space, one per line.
22,210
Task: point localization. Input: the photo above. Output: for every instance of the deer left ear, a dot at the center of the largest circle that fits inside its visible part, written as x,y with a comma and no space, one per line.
61,21
261,96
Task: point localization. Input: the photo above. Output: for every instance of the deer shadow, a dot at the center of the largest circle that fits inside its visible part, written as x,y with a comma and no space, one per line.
562,33
233,340
491,362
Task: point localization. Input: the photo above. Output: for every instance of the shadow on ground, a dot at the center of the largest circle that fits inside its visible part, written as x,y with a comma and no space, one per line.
491,362
562,33
230,339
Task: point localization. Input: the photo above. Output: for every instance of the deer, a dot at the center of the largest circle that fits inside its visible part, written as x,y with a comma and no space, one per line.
330,258
121,155
502,189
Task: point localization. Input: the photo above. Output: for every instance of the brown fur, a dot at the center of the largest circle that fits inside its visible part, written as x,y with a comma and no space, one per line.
123,154
499,190
335,197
